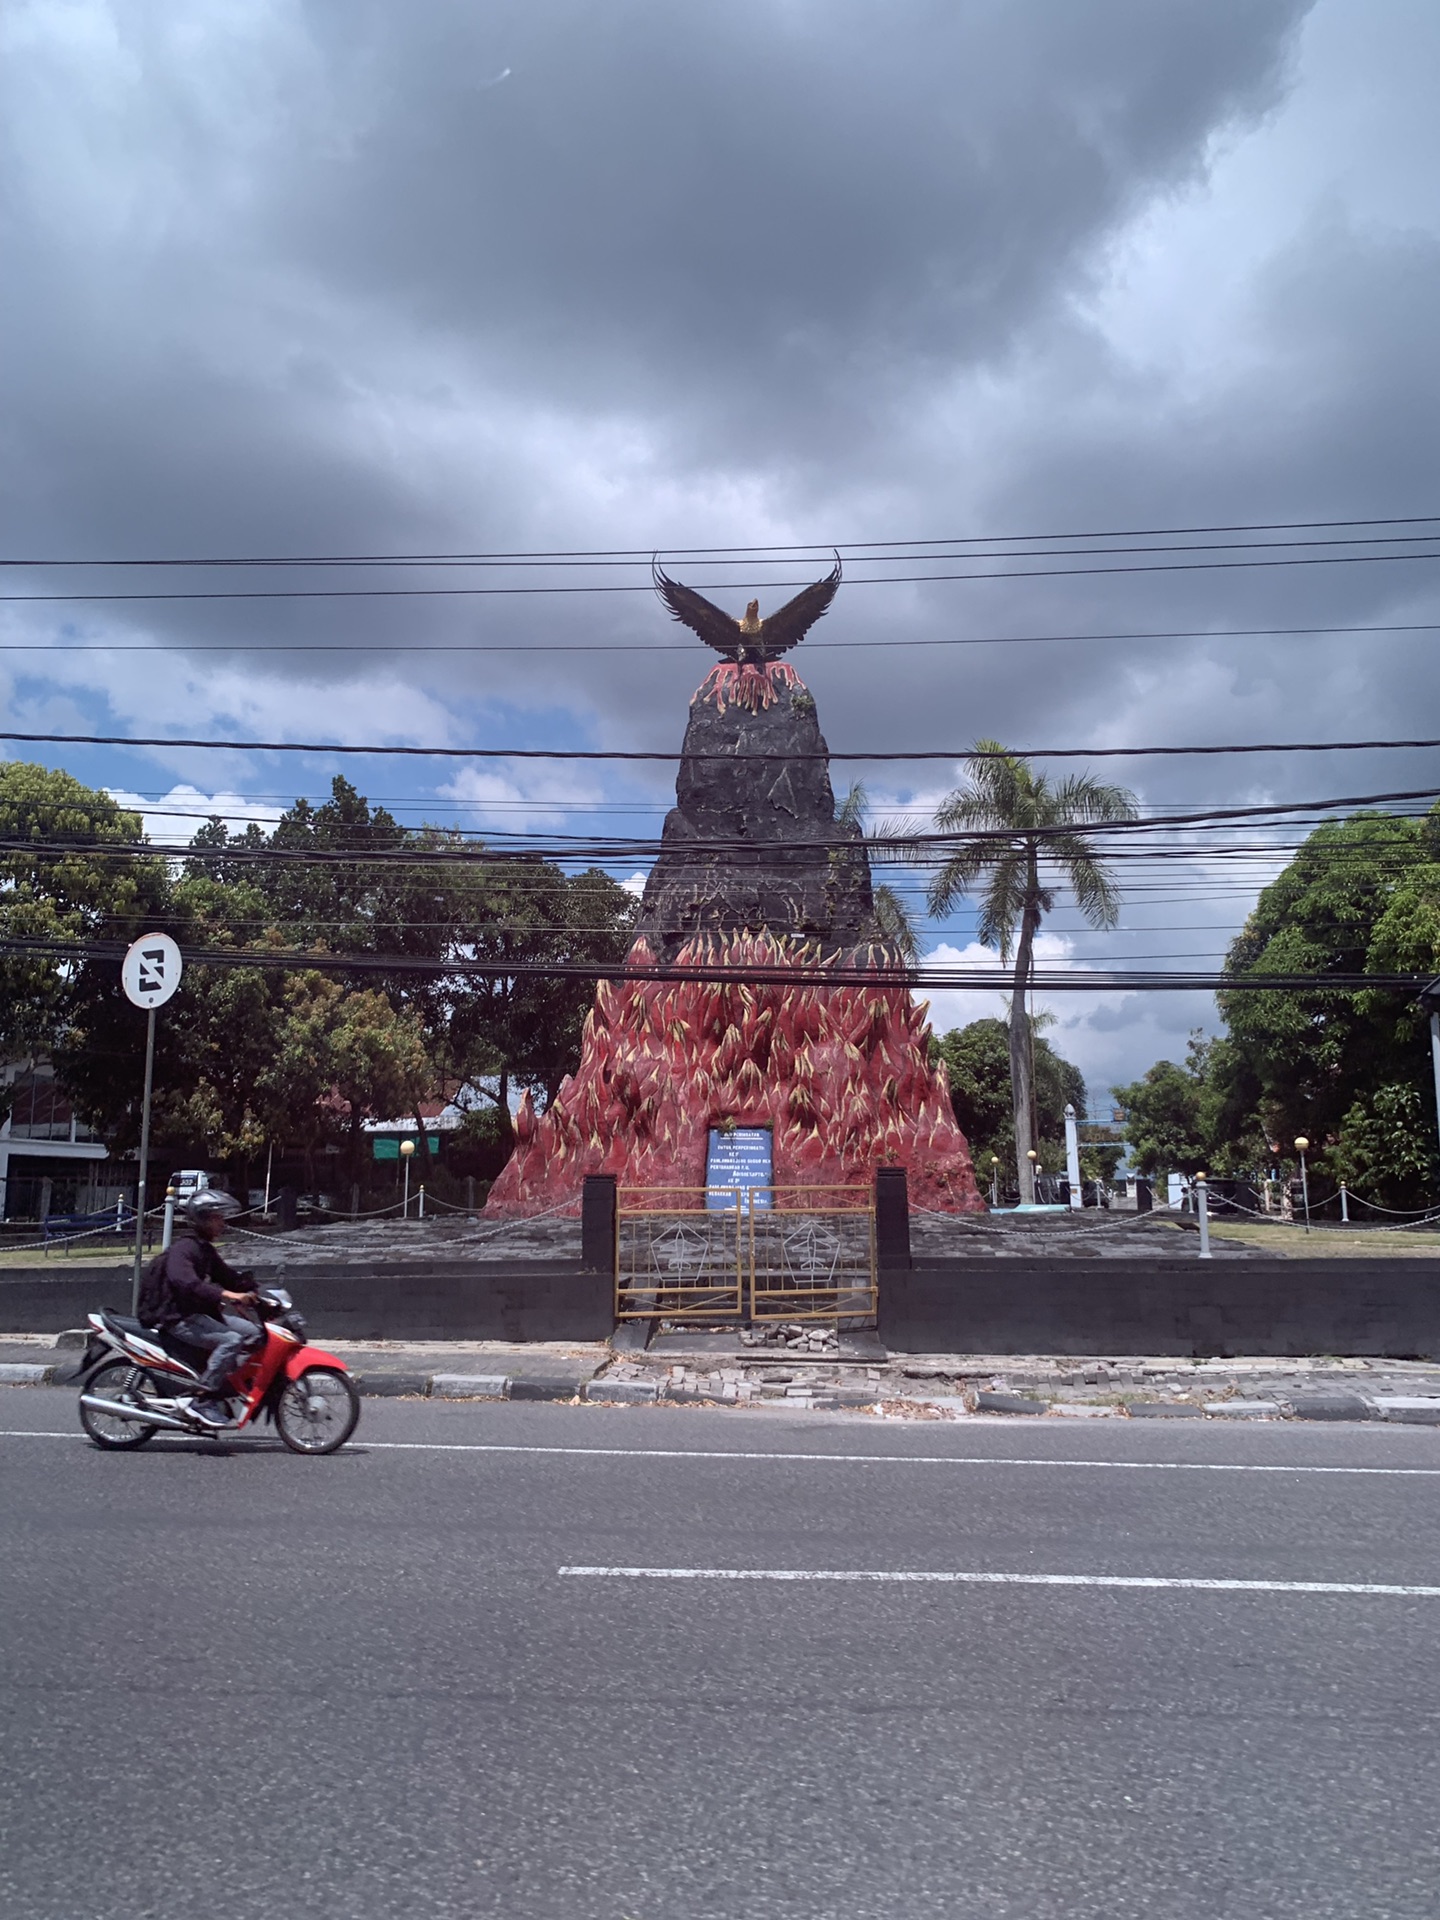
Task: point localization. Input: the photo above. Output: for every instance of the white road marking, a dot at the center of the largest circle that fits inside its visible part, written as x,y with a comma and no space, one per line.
787,1574
363,1445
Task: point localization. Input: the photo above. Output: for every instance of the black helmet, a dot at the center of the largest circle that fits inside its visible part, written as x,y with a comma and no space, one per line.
209,1200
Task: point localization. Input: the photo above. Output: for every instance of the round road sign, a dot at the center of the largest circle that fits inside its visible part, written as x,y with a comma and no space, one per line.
150,971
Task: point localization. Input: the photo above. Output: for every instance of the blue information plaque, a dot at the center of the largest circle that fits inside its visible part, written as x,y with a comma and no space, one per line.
741,1157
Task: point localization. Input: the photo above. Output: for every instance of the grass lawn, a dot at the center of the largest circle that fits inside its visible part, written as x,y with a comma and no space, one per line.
1343,1243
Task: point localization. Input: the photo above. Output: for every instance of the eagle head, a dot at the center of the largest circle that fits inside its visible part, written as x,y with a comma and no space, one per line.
751,622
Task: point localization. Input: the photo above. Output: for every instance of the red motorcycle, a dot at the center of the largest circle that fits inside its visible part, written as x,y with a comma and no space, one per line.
137,1382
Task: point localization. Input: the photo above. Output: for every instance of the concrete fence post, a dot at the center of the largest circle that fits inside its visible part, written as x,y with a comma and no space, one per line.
597,1223
892,1218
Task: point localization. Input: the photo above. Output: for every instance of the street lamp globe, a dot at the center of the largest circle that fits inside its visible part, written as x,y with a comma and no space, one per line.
1301,1143
1031,1154
407,1147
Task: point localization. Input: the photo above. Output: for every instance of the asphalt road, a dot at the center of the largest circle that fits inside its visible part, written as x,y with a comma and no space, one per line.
238,1682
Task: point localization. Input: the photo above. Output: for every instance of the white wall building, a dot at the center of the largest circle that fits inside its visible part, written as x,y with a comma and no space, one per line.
50,1162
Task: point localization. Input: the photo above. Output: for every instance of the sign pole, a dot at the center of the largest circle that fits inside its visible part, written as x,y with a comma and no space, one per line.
144,1159
149,975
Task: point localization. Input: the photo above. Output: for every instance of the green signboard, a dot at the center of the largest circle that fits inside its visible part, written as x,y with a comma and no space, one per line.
390,1149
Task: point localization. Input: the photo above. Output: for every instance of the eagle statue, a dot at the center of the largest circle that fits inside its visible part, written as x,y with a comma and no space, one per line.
751,641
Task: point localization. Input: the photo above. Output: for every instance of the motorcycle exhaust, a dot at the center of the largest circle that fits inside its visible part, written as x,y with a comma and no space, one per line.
123,1412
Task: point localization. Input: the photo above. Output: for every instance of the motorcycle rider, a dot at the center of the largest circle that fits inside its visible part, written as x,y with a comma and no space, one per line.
187,1291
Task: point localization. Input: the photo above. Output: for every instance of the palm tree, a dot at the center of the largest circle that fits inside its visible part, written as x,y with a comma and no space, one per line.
1032,844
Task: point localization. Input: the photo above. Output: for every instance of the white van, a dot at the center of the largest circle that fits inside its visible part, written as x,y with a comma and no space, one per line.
191,1180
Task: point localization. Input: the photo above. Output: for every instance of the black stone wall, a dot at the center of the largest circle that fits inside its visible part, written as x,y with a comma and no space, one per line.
536,1300
1189,1307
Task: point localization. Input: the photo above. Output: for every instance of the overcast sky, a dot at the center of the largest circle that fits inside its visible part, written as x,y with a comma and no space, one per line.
347,278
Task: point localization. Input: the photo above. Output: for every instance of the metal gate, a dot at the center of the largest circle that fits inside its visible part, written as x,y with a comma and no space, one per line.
756,1253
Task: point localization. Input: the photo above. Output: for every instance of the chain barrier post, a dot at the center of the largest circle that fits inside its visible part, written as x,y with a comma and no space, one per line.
1202,1209
168,1231
1344,1203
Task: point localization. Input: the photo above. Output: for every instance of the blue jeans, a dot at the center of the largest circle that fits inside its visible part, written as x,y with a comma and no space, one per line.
227,1339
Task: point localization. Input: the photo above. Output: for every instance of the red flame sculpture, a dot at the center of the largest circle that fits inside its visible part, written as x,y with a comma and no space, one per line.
841,1074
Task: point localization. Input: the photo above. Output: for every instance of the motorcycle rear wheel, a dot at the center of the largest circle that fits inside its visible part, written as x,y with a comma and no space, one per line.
316,1413
118,1380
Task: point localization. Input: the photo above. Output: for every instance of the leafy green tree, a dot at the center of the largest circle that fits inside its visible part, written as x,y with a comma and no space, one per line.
341,1056
523,1028
453,902
1028,840
52,890
1386,1147
1164,1120
977,1063
1356,898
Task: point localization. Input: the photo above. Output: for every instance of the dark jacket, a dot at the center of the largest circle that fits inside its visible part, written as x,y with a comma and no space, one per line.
191,1281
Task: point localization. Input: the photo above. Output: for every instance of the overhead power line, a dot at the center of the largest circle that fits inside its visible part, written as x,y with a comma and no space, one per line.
712,586
865,553
675,754
752,852
1051,980
598,647
797,548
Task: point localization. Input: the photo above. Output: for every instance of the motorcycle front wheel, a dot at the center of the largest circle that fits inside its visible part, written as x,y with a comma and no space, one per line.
117,1381
317,1412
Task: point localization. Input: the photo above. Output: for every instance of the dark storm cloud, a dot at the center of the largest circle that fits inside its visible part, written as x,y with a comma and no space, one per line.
256,254
757,205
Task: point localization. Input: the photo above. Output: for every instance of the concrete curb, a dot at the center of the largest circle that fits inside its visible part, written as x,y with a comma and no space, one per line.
1409,1410
469,1386
1332,1406
1007,1403
1401,1409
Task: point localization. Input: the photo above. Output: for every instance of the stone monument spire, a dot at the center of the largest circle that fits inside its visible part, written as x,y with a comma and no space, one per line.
755,875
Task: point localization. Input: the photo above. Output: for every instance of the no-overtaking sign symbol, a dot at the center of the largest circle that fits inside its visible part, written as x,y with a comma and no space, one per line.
150,972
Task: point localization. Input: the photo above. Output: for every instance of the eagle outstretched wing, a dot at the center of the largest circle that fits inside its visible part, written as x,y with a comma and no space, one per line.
702,616
784,629
788,625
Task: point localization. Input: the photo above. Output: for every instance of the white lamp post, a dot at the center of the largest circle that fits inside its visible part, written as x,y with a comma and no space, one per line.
994,1179
1301,1143
407,1149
